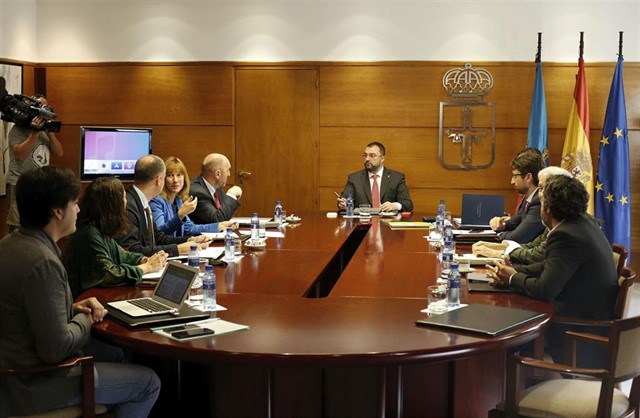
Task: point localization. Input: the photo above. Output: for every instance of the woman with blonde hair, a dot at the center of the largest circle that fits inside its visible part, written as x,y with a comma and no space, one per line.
92,256
171,209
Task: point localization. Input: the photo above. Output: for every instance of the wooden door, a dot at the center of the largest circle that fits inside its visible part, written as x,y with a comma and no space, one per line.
277,139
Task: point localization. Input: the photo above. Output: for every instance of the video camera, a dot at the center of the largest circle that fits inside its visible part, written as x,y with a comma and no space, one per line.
22,110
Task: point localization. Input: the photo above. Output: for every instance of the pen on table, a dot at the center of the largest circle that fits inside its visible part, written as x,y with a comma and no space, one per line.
336,194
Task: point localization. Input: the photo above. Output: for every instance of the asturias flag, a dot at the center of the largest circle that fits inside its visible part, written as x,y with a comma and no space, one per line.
613,197
576,155
537,134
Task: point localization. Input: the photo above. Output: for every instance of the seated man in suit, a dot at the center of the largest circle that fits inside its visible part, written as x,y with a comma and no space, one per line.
213,204
377,185
143,235
525,225
40,323
577,273
532,251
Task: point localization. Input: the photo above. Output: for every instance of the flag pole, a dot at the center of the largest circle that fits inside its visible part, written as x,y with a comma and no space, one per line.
539,53
581,43
620,45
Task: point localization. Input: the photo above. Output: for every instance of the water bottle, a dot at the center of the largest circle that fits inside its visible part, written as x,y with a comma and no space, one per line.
255,227
446,258
349,206
193,259
209,288
447,238
229,245
440,218
453,286
277,213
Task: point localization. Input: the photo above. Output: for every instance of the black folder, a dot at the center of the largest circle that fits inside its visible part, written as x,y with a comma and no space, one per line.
482,319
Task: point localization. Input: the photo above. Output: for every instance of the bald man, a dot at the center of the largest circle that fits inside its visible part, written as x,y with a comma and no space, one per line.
214,205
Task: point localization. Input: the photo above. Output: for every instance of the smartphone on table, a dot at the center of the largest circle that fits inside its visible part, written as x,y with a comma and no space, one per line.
191,332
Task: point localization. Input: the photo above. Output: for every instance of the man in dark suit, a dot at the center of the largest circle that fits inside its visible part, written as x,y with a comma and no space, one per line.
143,236
525,225
377,185
214,205
577,274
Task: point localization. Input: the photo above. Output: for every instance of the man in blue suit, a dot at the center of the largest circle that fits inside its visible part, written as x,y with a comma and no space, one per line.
377,185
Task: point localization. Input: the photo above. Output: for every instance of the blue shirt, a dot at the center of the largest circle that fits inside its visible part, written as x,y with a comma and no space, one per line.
165,216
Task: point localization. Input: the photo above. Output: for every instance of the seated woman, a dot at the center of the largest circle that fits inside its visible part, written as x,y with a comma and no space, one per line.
171,208
92,257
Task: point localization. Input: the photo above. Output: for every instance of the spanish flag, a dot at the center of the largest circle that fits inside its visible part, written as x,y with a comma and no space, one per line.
576,155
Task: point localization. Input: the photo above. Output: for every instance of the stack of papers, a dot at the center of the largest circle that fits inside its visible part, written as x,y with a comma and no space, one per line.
475,260
470,236
218,326
410,225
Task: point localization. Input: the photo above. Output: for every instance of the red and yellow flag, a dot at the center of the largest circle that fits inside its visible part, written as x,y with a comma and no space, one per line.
576,154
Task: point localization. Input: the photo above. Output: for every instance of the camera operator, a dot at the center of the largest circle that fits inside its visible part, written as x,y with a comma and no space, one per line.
29,148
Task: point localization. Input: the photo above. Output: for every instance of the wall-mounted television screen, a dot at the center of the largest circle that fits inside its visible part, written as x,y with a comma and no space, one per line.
111,151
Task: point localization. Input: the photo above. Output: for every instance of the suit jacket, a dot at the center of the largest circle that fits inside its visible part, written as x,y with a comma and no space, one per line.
392,188
577,275
136,238
206,211
525,225
37,324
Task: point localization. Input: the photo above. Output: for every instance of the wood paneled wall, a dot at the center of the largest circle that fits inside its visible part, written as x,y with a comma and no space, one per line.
191,107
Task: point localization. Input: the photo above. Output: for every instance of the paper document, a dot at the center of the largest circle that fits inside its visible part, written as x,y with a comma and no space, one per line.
410,225
268,234
475,260
217,236
247,220
218,325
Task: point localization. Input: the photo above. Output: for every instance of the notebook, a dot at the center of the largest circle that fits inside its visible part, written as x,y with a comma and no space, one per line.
168,296
487,320
478,209
482,286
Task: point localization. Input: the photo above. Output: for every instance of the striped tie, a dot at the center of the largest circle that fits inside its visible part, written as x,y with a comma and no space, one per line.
151,239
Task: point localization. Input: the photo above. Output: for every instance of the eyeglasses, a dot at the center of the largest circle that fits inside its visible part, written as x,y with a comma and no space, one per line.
517,174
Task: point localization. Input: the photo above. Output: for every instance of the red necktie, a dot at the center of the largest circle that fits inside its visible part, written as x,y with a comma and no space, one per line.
375,193
526,206
215,198
518,203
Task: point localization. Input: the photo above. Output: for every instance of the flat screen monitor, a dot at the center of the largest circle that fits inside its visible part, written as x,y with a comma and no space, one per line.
111,151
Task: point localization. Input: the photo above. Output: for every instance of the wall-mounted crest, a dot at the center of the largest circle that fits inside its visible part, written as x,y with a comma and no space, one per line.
466,132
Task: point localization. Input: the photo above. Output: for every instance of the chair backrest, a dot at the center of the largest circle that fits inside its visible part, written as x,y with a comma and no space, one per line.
623,301
620,255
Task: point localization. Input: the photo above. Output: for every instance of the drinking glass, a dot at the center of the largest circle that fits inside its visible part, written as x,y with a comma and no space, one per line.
437,299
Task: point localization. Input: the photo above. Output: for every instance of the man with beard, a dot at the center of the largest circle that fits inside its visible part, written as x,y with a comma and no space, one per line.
377,185
525,225
577,274
214,205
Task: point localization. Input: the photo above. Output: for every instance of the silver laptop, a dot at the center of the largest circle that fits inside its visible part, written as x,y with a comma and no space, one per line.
478,209
168,296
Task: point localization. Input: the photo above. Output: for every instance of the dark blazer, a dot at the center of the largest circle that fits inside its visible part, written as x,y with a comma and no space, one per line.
392,188
206,211
525,225
578,275
136,238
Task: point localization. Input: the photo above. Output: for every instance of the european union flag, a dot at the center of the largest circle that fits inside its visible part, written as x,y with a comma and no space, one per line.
537,133
613,197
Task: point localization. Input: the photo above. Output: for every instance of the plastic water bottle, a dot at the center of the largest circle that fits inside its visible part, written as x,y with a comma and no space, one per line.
255,227
446,258
440,218
447,238
209,288
453,286
277,213
349,206
193,259
229,245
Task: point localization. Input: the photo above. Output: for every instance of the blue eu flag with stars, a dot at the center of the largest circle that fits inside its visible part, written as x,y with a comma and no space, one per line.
613,197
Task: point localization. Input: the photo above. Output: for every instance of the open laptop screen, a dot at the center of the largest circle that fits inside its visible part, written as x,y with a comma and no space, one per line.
174,285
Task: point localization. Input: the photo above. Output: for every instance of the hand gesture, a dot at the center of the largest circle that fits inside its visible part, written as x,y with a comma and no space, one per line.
188,206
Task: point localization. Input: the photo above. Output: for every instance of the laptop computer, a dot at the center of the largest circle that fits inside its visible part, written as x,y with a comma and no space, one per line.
478,209
168,296
487,320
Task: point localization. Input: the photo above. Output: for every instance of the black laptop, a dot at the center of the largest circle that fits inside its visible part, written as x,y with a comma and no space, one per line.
478,209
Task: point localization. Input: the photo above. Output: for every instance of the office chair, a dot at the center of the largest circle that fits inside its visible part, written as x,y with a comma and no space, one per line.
88,409
597,397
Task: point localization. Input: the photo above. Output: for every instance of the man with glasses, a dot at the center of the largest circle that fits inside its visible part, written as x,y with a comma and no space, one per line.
526,224
377,185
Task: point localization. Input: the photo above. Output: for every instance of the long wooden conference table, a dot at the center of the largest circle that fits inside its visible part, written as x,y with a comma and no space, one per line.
332,309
